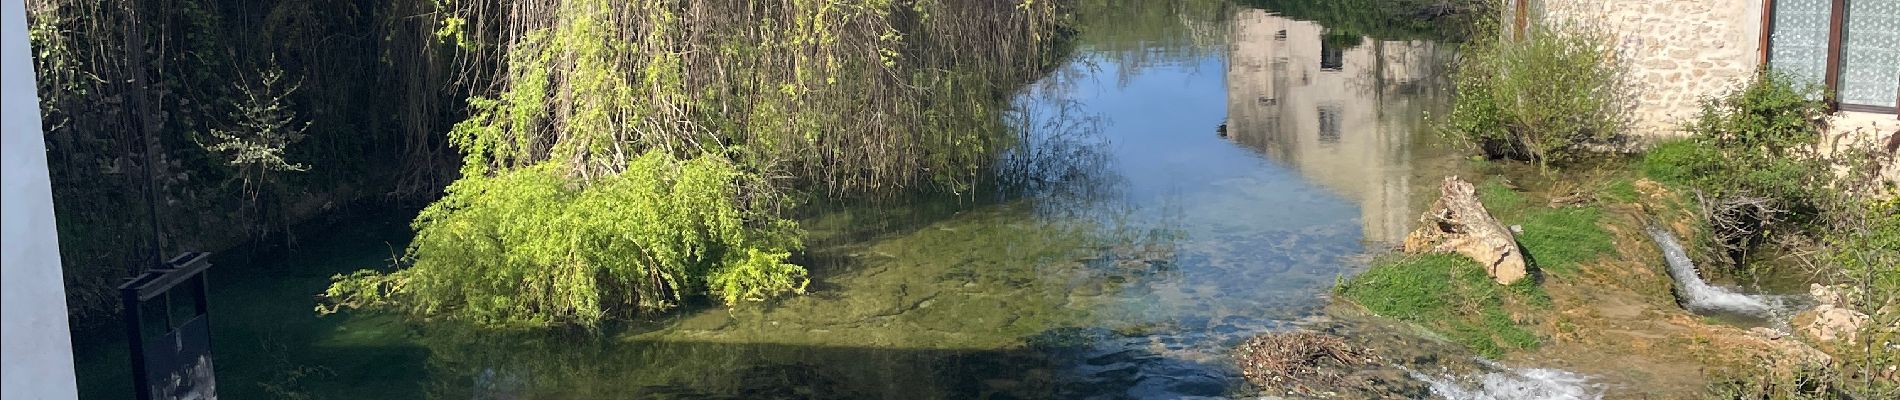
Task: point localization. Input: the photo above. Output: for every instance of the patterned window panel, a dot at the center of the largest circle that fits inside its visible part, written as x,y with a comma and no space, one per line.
1870,53
1797,45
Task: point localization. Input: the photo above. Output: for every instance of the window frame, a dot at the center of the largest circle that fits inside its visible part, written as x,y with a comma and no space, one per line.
1831,73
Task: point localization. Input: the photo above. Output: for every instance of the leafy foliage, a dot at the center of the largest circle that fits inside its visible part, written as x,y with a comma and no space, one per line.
372,98
1864,244
530,247
574,205
1546,98
1752,160
854,97
1756,142
264,126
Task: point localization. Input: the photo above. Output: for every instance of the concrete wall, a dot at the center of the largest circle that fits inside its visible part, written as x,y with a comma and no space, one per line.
1678,51
36,351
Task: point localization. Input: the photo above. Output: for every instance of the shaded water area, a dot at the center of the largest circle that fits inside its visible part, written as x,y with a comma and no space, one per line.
1200,176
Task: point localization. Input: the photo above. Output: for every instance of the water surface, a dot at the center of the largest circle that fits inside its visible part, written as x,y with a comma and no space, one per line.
1203,175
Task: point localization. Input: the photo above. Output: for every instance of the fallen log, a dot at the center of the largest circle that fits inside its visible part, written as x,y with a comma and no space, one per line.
1458,222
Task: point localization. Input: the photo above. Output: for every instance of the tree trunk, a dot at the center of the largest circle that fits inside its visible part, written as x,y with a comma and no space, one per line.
1459,223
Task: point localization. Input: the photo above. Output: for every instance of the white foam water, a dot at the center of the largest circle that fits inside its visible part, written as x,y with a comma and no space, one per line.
1513,384
1697,293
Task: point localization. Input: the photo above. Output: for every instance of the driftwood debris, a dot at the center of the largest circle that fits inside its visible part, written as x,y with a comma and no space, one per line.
1458,222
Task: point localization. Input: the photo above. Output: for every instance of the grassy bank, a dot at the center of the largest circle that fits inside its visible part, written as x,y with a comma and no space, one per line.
1749,189
1450,295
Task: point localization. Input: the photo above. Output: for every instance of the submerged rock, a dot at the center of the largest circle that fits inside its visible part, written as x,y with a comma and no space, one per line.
1459,223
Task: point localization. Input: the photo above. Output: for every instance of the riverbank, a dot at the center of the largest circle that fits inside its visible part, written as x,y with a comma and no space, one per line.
1602,303
1596,199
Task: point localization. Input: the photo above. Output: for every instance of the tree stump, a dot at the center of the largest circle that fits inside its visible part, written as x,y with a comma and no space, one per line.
1458,222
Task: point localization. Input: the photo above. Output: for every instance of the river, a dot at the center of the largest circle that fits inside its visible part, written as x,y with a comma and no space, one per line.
1200,176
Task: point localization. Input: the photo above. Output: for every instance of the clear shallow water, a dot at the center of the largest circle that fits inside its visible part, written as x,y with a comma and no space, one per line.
1206,180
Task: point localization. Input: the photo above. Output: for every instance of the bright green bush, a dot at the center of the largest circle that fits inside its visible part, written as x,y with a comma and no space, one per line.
532,247
1543,99
577,202
1868,249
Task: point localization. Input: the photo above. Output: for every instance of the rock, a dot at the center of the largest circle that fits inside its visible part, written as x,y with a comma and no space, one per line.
1834,295
1458,222
1767,333
1826,324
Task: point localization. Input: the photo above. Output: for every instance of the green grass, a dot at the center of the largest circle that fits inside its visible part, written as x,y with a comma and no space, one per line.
1672,162
1501,200
1448,294
1559,240
1620,190
1452,296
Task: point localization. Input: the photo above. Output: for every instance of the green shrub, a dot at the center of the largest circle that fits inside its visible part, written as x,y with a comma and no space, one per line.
532,247
1758,141
1543,99
1865,245
1751,159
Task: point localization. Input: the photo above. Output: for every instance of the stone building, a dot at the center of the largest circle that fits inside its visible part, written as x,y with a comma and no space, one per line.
1680,52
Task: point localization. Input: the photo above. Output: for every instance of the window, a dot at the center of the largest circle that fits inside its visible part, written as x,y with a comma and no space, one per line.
1870,54
1329,124
1331,58
1849,47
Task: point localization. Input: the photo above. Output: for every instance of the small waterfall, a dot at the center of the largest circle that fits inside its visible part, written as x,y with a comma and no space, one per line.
1505,383
1698,294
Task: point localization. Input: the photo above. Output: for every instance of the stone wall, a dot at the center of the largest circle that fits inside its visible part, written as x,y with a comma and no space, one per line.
1853,130
1678,52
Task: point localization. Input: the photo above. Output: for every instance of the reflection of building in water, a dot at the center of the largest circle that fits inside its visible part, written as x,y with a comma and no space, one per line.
1344,111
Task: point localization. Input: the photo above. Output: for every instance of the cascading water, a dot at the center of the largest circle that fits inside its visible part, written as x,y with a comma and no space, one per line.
1503,383
1698,294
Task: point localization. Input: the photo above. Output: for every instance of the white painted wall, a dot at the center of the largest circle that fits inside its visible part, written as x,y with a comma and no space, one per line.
36,356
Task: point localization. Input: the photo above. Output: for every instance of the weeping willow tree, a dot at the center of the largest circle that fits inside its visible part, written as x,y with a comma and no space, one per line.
628,154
